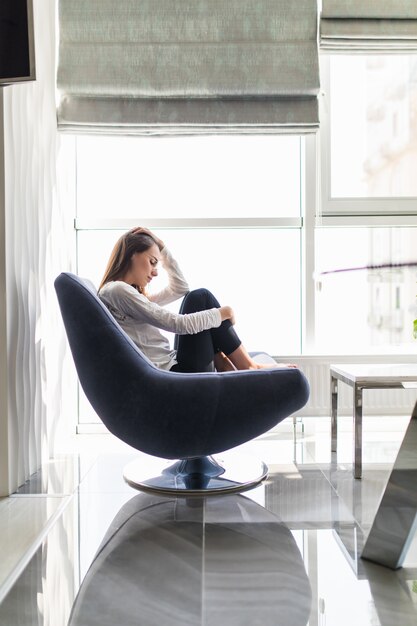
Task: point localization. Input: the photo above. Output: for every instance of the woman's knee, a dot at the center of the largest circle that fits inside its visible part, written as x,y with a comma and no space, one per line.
202,292
200,299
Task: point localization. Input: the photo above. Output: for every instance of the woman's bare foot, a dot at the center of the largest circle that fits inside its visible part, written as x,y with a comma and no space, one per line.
268,366
242,360
222,363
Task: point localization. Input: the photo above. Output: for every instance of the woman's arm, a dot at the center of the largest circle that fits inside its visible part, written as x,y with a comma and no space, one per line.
177,284
125,299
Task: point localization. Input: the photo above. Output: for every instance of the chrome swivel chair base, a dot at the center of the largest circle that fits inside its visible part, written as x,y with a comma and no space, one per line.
224,473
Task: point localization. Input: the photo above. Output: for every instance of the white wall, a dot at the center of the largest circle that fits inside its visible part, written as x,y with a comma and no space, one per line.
35,245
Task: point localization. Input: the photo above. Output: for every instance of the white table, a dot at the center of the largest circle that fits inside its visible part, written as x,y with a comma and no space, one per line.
365,376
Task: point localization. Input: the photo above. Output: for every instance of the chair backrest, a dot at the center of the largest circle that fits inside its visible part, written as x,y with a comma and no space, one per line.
88,321
150,409
106,359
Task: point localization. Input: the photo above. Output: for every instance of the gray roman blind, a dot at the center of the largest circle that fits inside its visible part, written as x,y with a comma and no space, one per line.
188,66
368,25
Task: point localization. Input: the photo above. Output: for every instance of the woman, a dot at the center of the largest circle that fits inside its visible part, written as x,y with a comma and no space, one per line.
204,329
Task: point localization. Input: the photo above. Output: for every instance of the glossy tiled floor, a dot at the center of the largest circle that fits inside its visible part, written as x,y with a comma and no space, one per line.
284,553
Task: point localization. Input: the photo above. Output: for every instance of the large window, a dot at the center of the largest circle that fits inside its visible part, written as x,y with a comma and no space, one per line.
229,208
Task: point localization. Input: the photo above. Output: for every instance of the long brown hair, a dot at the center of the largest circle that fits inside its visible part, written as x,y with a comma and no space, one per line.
121,256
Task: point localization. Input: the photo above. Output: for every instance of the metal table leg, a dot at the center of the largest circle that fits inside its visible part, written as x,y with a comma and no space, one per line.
395,522
333,391
357,431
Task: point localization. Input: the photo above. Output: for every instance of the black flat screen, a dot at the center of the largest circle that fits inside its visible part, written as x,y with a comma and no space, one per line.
14,39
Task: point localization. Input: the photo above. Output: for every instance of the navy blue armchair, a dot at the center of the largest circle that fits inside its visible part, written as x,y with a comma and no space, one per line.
171,415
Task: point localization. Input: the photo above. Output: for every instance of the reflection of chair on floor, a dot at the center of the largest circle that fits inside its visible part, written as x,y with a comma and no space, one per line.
167,414
170,561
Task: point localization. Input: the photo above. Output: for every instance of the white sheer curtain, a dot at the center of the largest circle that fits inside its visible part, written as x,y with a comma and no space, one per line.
188,66
368,25
37,238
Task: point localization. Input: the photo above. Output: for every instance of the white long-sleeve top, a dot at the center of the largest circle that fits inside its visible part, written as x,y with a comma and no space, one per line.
141,317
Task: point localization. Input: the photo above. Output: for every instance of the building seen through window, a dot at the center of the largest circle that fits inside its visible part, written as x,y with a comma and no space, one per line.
373,126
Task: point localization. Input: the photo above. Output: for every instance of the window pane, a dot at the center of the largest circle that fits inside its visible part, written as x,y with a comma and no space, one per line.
373,128
254,271
183,177
367,310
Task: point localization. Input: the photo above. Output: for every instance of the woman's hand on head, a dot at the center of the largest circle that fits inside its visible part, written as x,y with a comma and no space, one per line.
227,313
146,231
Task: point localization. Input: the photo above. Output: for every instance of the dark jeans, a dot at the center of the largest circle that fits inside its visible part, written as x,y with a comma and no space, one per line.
195,353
